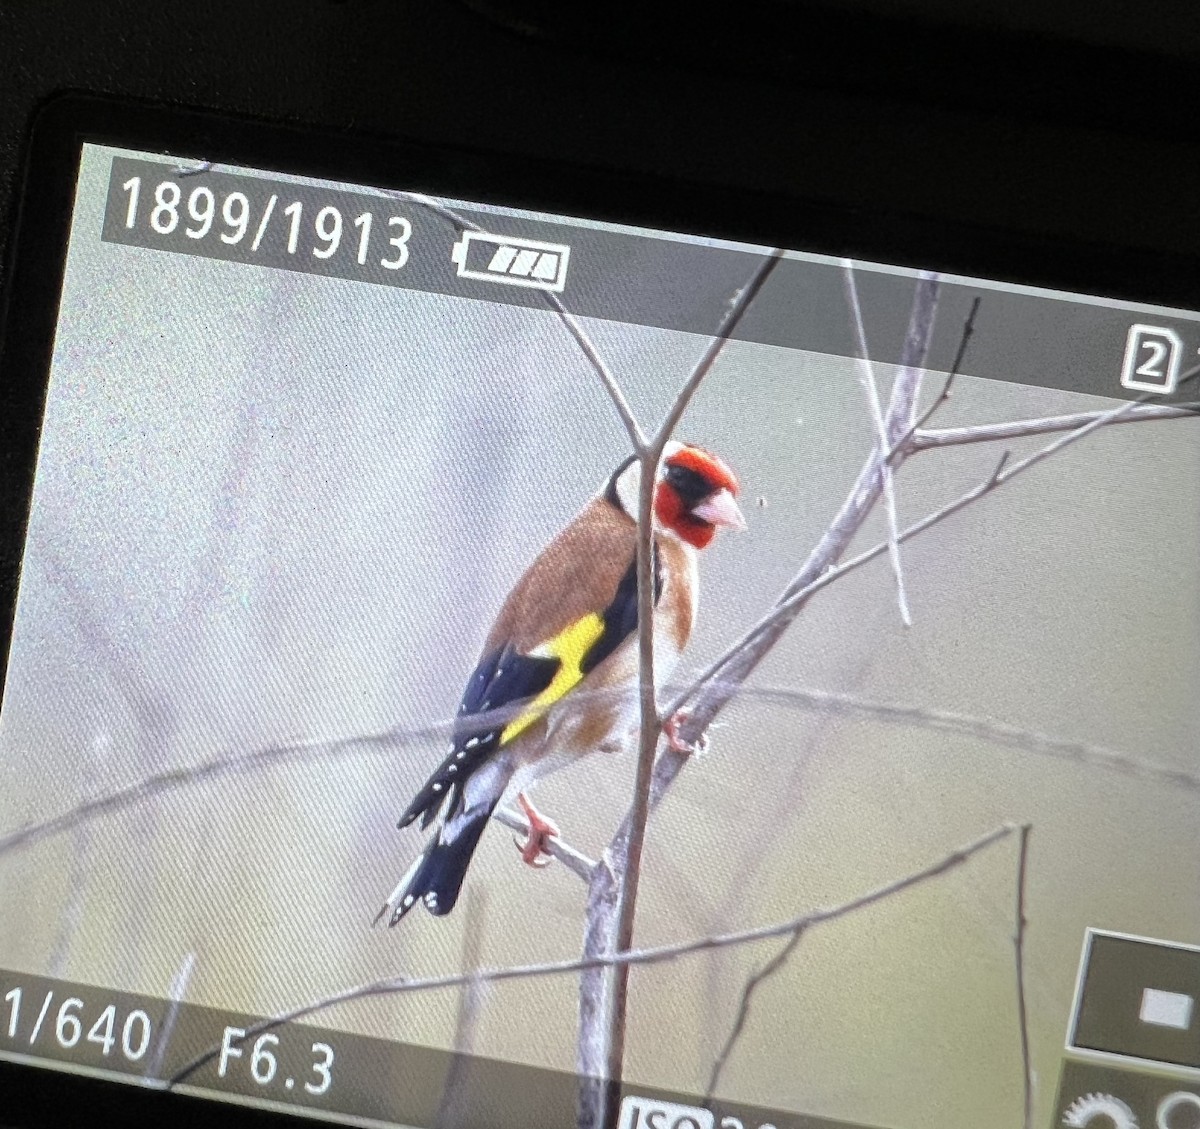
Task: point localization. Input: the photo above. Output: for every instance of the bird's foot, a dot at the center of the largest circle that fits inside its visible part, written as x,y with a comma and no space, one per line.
541,830
677,744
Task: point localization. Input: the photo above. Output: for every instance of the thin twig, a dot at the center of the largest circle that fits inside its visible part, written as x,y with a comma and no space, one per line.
93,754
175,994
903,446
602,1048
1019,949
572,859
786,800
455,1101
754,642
781,958
1019,428
743,1014
738,661
741,302
460,223
187,776
881,438
233,763
657,955
982,729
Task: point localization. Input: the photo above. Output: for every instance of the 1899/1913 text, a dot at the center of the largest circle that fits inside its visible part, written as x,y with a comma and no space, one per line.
199,213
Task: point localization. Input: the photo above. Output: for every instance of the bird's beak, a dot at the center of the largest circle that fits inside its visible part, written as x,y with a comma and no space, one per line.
721,510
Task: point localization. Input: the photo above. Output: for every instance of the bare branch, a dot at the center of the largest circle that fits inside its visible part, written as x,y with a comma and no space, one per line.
1018,429
983,729
460,223
597,1093
572,859
632,428
902,447
743,1014
781,958
657,955
1019,949
612,893
902,408
234,763
186,776
454,1102
881,439
175,994
738,660
604,1047
737,664
737,309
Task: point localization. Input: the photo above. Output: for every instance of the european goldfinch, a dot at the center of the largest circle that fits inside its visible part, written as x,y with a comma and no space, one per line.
560,664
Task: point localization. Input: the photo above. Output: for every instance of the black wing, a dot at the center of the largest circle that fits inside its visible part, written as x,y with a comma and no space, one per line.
503,679
621,615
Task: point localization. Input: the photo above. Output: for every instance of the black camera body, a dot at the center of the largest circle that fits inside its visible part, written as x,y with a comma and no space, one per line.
1019,156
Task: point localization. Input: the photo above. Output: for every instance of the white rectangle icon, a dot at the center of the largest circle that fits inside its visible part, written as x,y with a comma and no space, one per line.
511,260
1166,1009
650,1113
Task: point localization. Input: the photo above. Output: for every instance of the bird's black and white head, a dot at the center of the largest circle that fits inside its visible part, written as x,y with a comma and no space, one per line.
695,495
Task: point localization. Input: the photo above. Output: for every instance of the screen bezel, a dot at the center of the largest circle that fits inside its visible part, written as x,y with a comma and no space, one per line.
33,280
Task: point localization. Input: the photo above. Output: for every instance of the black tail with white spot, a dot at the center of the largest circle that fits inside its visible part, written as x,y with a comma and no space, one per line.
435,879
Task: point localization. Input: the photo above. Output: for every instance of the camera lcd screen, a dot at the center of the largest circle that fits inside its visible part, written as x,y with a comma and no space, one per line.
340,498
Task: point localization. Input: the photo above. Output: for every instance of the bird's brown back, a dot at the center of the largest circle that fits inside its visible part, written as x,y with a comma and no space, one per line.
577,573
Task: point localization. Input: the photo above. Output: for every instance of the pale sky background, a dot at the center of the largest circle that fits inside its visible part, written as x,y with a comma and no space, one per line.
272,507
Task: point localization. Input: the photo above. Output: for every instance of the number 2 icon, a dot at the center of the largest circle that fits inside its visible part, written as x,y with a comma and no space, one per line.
1151,361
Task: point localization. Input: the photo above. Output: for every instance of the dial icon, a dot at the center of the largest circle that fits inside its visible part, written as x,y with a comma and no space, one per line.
1179,1110
1099,1111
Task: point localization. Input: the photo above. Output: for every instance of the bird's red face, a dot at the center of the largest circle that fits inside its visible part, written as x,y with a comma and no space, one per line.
695,495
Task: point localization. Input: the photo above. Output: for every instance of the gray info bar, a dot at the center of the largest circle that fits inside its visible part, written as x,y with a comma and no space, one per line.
393,240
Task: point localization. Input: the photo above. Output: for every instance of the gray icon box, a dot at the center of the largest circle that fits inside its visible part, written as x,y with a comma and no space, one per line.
1135,1001
1096,1096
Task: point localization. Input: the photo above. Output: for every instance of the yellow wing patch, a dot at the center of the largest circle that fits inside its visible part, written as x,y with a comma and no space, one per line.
570,646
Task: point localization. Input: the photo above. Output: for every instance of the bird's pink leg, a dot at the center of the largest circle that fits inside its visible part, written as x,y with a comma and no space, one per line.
677,744
541,830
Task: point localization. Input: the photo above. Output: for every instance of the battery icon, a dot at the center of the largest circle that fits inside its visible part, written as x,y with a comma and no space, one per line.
512,261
